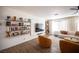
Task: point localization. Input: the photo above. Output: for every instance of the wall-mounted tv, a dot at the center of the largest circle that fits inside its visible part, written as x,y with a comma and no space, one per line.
39,27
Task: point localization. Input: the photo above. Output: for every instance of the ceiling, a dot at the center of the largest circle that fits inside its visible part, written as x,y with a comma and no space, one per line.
47,11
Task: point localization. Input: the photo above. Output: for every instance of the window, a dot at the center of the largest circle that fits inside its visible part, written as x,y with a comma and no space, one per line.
55,26
63,25
59,25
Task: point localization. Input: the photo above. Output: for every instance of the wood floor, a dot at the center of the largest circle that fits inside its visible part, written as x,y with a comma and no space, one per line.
31,47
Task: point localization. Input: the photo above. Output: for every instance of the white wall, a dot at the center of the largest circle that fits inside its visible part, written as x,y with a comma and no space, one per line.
8,42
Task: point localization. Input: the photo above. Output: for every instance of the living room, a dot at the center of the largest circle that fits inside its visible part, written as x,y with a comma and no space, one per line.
54,23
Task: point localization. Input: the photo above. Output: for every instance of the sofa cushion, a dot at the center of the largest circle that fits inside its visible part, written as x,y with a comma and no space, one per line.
63,32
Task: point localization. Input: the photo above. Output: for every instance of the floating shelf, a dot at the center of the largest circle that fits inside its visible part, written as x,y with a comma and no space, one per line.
17,27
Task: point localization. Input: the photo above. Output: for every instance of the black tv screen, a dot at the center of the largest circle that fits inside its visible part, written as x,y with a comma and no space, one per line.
38,27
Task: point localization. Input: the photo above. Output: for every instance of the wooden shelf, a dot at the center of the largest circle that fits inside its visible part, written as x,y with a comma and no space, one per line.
47,27
17,27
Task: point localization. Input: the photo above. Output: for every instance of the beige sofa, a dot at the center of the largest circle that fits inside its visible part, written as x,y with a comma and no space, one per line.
65,34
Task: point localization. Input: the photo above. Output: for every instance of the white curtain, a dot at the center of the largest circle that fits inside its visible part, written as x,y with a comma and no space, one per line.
77,25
